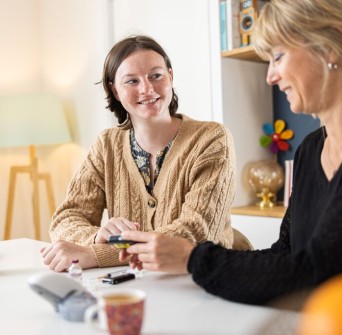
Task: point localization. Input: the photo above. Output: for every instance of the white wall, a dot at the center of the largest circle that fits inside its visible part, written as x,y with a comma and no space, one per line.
247,105
182,28
75,43
20,45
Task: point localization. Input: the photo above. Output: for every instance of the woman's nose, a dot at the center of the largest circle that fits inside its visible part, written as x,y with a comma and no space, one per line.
272,75
146,87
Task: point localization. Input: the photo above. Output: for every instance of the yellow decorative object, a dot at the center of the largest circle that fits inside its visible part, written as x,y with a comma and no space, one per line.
286,134
248,16
266,178
279,126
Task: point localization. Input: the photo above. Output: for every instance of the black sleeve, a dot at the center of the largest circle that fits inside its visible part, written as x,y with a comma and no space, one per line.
283,243
256,277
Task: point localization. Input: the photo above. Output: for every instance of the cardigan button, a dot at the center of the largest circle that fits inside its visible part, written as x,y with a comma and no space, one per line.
151,203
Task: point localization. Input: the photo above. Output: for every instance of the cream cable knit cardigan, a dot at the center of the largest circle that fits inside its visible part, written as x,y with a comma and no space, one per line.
191,198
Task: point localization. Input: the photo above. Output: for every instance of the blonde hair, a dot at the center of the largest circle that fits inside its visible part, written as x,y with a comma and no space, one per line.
312,24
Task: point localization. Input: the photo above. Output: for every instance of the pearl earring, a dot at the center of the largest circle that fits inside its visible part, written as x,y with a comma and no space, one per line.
332,66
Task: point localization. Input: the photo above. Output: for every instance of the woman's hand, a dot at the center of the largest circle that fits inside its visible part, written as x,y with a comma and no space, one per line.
58,256
115,226
157,252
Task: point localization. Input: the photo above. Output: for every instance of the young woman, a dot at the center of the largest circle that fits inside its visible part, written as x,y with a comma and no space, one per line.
156,171
303,42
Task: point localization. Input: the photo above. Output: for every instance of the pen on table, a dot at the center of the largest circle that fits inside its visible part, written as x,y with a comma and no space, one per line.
114,273
119,279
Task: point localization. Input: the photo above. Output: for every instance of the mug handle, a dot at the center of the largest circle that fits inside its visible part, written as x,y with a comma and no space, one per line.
92,317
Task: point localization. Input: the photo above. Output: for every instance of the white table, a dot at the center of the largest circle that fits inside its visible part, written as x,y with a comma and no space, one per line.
174,305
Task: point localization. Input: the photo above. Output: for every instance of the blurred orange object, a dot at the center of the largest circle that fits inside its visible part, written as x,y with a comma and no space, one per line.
322,312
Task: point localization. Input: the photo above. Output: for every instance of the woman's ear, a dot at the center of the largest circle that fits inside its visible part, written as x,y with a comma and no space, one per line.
115,93
171,74
332,57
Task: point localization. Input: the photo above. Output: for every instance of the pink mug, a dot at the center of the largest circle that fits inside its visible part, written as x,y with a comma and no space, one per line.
118,311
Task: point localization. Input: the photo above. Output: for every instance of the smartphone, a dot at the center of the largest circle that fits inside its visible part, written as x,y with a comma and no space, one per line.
119,242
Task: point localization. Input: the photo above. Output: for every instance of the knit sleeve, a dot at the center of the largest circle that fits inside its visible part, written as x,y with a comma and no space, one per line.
79,217
211,178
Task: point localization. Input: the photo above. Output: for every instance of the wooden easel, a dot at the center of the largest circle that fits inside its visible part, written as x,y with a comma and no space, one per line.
32,169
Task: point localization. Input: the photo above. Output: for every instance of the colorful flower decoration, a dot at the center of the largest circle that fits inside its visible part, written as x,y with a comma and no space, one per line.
276,136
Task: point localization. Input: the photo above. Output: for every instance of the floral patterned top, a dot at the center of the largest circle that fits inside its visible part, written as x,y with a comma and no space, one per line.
142,157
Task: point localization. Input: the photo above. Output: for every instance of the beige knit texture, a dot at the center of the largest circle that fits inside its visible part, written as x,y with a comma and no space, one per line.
193,193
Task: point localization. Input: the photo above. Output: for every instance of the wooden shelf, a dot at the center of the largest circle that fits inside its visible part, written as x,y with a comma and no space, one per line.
276,212
243,53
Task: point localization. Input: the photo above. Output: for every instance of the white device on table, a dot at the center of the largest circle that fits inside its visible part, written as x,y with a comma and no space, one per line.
68,297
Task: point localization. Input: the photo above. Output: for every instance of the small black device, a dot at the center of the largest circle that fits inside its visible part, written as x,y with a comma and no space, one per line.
118,279
119,242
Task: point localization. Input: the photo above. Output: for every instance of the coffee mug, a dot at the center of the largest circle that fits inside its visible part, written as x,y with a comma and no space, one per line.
119,311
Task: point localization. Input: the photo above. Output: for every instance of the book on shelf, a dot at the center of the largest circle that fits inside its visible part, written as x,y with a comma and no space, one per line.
288,181
229,24
223,25
233,24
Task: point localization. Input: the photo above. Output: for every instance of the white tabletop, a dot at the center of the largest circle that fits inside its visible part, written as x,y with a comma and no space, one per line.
174,305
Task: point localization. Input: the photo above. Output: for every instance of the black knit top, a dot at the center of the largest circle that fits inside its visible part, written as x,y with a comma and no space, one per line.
309,248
